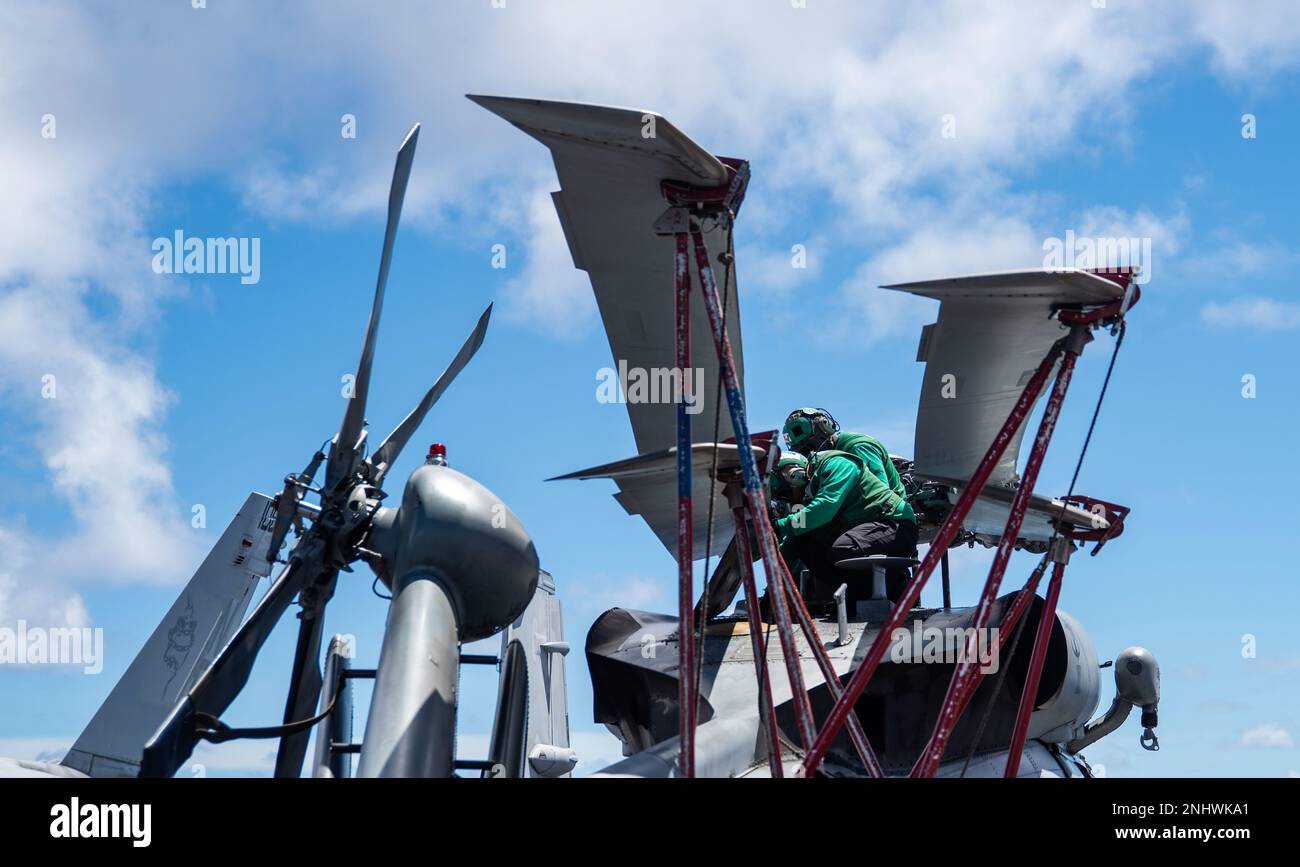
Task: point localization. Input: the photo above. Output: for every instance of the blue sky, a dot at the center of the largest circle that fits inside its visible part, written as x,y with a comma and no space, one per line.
225,121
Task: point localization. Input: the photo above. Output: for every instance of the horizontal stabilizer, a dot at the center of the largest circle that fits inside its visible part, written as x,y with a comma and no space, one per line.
647,486
611,164
1063,286
992,333
637,131
665,462
989,515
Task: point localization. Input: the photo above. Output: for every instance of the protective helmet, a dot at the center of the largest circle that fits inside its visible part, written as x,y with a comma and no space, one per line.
809,429
788,478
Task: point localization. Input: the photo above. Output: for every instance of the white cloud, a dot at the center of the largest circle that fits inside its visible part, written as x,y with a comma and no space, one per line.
26,594
1226,260
1257,44
1267,736
781,270
1252,312
549,295
96,410
945,249
587,597
1165,235
966,243
77,295
35,749
847,125
849,122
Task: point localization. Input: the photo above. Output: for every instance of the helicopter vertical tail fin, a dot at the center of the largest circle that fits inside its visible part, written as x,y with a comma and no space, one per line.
197,626
530,734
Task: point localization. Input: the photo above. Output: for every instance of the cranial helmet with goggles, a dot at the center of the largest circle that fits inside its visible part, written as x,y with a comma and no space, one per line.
809,430
788,478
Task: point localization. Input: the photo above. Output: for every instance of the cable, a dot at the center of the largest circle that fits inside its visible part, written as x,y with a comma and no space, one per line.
209,728
1119,341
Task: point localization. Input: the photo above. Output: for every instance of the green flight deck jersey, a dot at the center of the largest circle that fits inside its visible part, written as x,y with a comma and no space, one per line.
842,488
876,457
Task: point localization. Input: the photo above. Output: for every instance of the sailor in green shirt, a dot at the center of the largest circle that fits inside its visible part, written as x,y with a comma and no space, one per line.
810,430
853,501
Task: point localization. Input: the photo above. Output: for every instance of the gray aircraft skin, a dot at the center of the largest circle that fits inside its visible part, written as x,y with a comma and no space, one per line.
991,331
461,566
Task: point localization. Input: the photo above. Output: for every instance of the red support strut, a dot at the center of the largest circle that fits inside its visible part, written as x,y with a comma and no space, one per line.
857,734
756,635
967,673
1030,693
952,523
687,705
1009,620
754,494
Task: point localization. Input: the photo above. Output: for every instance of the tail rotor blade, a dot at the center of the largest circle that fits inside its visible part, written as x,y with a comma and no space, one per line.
393,444
343,451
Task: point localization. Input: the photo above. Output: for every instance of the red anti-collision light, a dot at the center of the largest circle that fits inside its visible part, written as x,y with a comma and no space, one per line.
437,450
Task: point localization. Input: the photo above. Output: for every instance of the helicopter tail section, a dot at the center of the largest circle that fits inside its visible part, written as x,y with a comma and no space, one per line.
200,622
